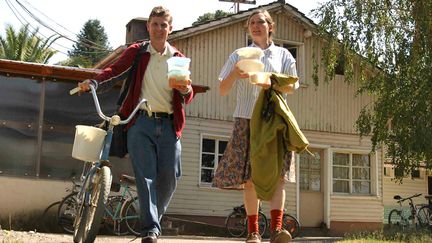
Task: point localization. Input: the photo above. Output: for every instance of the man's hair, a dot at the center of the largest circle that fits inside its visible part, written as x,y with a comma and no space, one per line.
160,11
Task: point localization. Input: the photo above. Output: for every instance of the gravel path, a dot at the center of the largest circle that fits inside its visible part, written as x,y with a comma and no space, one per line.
34,237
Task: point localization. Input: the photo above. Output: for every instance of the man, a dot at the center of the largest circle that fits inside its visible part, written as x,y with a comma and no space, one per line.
153,137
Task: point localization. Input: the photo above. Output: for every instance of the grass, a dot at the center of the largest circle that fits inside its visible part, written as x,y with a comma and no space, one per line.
390,235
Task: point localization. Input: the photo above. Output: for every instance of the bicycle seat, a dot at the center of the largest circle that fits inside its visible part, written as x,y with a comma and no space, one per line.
397,197
128,179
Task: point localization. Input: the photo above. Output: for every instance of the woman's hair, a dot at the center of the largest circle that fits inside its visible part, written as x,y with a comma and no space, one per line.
268,19
160,11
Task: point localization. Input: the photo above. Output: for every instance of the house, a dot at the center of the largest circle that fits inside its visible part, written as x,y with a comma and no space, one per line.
342,188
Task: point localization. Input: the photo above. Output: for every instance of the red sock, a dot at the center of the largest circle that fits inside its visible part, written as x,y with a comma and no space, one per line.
253,223
276,219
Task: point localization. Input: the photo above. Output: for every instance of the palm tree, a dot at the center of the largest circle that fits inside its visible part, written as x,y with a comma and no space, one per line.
26,46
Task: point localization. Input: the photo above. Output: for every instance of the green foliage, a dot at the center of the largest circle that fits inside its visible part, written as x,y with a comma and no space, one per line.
390,43
390,235
25,45
92,46
210,16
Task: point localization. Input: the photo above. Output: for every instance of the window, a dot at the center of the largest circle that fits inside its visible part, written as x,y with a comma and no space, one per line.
399,172
293,49
351,173
415,174
212,150
310,172
387,171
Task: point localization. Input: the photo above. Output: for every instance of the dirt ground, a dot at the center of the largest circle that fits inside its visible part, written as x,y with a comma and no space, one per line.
35,237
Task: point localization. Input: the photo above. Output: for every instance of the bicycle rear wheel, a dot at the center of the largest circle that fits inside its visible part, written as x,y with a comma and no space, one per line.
112,219
67,212
130,214
99,190
262,223
291,224
235,224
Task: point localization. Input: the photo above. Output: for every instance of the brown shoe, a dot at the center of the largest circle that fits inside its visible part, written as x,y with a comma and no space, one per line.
280,236
253,237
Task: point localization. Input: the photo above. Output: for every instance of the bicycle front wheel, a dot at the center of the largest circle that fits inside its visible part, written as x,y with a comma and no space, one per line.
99,190
236,224
424,216
130,214
291,224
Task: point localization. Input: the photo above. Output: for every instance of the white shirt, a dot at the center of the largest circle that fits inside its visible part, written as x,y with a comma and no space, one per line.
276,59
155,86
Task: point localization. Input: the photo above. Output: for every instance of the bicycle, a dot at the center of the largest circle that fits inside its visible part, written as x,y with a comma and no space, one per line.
96,180
122,217
406,218
291,224
66,211
50,214
425,212
236,222
113,219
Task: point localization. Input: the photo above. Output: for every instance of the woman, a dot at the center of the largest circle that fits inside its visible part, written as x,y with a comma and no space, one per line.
234,170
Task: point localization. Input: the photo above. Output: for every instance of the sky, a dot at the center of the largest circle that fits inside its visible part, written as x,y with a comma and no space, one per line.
68,17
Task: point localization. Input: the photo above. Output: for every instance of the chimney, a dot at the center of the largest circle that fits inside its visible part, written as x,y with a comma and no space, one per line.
136,30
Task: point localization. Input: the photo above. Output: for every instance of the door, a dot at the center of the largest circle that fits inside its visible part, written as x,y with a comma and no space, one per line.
311,189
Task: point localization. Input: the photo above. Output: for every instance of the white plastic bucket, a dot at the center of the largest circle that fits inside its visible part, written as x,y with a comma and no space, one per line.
88,143
178,63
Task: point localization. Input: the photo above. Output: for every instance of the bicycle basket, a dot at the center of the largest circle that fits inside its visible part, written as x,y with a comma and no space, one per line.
88,143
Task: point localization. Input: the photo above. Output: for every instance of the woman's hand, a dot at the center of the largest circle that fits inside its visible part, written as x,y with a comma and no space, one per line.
238,73
264,85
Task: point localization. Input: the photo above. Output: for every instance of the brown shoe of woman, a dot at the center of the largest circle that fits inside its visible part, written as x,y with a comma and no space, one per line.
280,236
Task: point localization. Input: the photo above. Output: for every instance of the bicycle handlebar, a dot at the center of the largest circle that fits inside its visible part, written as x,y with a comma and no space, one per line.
407,198
115,121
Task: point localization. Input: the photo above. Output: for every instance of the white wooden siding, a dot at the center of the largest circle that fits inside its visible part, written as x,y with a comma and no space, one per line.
331,107
190,198
356,209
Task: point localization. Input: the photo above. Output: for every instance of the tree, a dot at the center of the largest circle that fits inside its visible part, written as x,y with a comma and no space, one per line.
210,16
25,45
396,37
91,47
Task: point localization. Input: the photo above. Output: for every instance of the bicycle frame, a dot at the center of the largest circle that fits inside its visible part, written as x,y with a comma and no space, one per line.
127,195
103,161
412,218
96,170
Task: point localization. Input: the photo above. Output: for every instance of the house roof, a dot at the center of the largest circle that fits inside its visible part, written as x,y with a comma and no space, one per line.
45,71
240,16
279,5
54,72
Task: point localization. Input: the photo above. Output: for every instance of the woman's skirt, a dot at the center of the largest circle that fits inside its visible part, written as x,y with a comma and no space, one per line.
234,167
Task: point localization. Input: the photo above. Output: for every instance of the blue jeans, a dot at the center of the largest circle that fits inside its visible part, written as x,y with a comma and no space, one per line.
155,153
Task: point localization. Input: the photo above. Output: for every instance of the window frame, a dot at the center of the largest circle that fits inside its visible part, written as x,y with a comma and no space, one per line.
373,161
200,167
